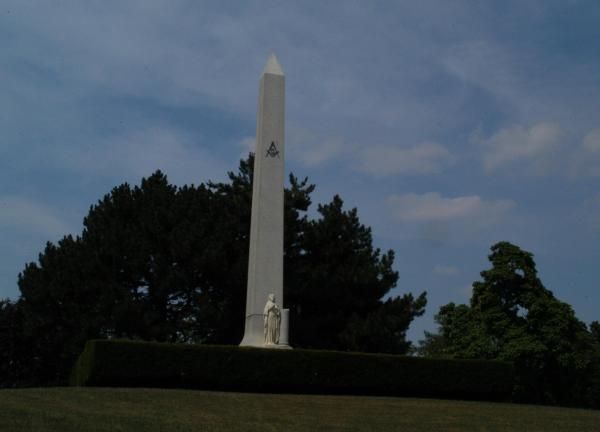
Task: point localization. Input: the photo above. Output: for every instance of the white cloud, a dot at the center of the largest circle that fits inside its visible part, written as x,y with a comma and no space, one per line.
247,144
537,145
485,65
445,270
514,78
590,212
378,160
139,153
27,215
591,142
585,160
323,152
467,291
425,158
439,220
431,207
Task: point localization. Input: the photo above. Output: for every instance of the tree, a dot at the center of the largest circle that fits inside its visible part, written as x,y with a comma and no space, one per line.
165,263
513,317
384,328
59,304
13,346
338,283
595,331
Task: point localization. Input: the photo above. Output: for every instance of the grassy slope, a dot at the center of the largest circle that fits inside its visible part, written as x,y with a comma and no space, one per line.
149,410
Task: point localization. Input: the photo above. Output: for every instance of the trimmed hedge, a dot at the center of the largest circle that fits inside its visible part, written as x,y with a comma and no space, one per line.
119,363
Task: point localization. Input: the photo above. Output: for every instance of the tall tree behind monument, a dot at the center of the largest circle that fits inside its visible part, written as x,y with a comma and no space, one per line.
265,263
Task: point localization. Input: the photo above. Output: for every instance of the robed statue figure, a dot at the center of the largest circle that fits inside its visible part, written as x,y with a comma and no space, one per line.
272,317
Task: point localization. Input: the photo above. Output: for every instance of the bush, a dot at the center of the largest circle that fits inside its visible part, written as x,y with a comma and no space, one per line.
128,363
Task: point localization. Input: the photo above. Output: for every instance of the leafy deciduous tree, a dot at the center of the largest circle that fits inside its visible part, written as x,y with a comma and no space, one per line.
513,317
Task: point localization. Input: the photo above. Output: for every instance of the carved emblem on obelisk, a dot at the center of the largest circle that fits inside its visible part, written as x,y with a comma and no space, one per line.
272,151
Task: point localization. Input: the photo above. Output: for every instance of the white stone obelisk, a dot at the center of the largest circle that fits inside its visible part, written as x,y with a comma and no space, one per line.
265,263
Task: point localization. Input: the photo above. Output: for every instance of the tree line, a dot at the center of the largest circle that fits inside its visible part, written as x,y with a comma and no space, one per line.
166,263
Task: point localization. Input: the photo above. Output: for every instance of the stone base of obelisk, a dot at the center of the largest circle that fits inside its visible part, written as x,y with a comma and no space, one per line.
255,332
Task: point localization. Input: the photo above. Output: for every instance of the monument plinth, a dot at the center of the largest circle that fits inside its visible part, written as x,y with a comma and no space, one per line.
265,263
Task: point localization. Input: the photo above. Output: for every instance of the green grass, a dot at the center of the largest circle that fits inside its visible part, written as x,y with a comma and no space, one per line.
150,410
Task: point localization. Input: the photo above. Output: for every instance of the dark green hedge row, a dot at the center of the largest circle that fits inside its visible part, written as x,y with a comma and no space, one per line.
149,364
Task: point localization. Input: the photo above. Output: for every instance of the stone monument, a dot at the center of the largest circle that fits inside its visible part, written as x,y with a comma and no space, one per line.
266,322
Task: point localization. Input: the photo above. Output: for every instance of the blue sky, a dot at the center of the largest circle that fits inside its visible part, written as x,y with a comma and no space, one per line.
451,125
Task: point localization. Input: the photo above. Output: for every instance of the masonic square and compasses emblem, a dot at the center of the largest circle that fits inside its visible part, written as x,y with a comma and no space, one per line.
273,151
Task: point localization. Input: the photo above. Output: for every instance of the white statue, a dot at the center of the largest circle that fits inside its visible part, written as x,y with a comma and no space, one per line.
272,317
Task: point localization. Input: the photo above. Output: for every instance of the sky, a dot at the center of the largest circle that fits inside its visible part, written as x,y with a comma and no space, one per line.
449,125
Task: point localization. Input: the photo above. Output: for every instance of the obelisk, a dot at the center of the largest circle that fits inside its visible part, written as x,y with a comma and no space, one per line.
265,263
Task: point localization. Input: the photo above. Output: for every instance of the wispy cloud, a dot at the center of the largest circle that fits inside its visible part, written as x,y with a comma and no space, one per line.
20,213
425,158
434,207
438,220
467,292
484,64
586,158
139,153
323,152
375,160
589,212
537,146
591,142
445,270
248,145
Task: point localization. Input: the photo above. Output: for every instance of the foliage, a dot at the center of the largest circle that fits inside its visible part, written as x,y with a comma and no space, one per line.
13,344
513,317
336,284
164,263
595,331
127,363
384,329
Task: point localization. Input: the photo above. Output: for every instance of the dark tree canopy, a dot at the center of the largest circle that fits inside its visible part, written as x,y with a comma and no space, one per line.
336,283
166,263
595,330
513,317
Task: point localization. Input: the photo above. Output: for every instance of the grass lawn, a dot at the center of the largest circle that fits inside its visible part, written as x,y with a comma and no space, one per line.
150,410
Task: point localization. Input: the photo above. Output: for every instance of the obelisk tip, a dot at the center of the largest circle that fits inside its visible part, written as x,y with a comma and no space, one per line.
273,67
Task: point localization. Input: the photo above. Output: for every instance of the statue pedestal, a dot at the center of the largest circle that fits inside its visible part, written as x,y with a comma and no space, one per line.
276,346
